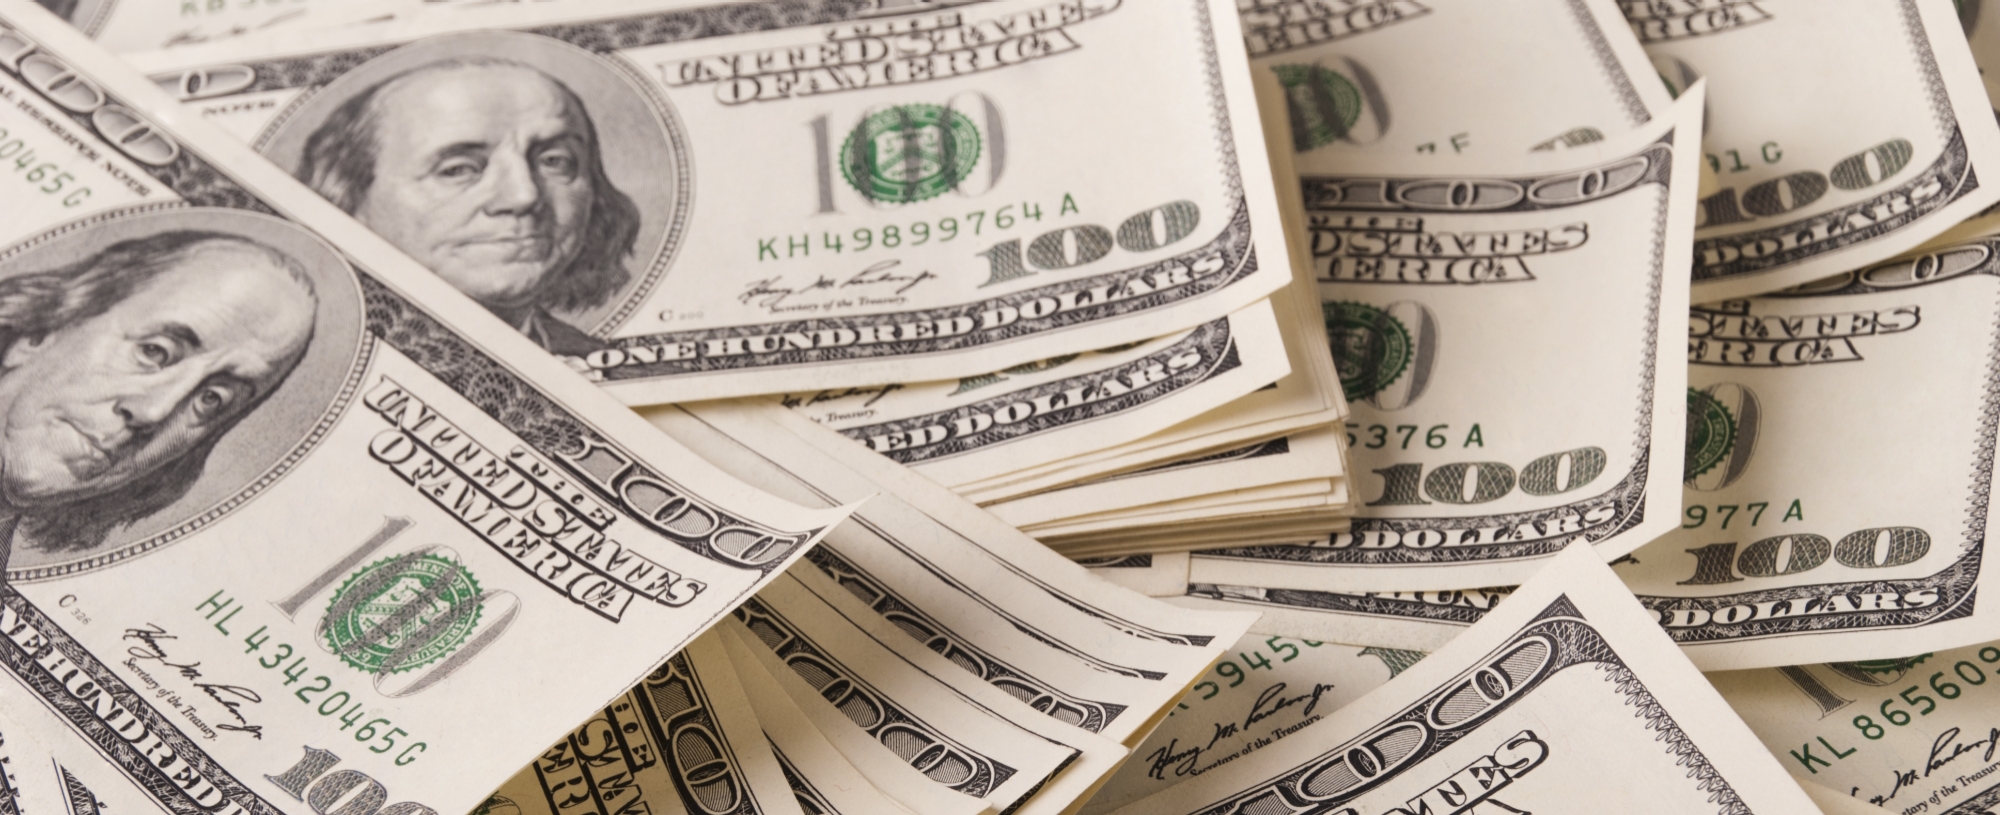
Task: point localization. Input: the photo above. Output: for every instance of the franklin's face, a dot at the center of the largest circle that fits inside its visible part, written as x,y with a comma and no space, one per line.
107,400
481,176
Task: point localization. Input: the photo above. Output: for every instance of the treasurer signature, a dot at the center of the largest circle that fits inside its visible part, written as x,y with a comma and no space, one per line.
230,697
1946,749
1269,703
772,293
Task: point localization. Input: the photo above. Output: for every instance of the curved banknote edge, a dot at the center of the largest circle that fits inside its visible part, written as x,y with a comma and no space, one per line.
1454,502
366,489
769,683
1265,682
978,427
824,781
840,628
1150,574
1308,396
1003,606
973,750
1805,193
1299,456
1905,735
1566,685
856,258
1778,560
1418,620
684,741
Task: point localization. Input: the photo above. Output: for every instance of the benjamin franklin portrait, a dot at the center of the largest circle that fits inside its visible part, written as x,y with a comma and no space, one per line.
489,172
121,371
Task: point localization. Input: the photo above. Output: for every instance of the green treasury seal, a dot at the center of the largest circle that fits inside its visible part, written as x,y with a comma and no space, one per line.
909,153
1370,347
401,613
1711,434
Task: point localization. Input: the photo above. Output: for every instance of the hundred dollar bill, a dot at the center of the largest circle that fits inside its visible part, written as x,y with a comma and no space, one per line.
684,741
1567,690
1914,736
884,198
1266,682
1778,558
1494,434
1805,192
962,430
1001,606
319,484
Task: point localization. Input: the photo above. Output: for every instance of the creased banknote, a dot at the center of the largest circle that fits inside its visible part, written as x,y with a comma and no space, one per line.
1781,557
1486,432
880,198
281,505
1567,690
1805,190
1914,736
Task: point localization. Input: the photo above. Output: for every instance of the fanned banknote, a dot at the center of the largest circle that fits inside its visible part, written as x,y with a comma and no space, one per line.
1410,619
1806,191
684,741
1567,691
1912,735
936,570
880,199
966,429
1781,557
1504,414
280,503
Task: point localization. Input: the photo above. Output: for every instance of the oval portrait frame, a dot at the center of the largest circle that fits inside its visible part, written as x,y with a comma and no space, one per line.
641,142
268,441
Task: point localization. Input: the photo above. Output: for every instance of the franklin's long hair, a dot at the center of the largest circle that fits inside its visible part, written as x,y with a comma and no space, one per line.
36,304
339,163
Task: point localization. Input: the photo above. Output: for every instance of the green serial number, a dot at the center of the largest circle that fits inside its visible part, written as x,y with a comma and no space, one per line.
377,732
915,233
45,176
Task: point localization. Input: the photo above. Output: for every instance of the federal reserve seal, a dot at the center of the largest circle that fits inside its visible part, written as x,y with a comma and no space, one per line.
1711,433
401,613
1371,348
909,153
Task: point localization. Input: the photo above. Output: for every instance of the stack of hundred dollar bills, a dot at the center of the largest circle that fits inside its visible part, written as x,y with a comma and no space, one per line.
1151,407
